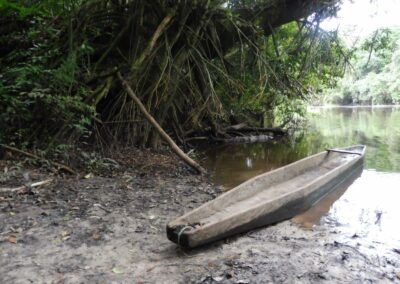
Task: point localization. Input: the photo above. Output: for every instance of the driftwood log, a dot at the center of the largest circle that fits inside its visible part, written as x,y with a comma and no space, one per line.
243,128
159,129
239,133
243,139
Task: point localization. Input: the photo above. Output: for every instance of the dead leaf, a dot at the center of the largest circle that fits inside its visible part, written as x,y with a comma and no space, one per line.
218,278
56,241
65,233
89,175
12,239
117,270
212,264
17,230
151,268
96,236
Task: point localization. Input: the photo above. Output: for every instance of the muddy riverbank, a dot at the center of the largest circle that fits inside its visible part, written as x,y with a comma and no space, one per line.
112,230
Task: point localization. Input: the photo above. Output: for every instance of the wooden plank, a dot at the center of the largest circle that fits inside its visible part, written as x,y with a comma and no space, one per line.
343,151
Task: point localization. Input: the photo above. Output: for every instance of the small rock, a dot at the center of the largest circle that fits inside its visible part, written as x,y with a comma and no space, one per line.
243,281
229,274
205,278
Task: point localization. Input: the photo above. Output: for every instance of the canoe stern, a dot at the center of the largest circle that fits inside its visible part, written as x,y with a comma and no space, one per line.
179,234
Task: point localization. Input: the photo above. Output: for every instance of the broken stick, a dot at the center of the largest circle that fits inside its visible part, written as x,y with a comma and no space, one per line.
35,184
61,166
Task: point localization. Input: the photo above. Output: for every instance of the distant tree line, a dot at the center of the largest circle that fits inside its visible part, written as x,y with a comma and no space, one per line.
373,77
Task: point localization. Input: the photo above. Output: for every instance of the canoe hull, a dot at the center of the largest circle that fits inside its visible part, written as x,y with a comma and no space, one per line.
294,206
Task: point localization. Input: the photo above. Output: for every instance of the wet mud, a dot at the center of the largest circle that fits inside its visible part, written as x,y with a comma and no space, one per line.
112,230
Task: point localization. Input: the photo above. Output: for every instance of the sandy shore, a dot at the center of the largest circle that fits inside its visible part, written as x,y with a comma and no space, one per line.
112,230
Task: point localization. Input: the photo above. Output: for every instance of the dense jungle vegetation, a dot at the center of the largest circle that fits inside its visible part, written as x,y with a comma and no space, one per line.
374,74
197,66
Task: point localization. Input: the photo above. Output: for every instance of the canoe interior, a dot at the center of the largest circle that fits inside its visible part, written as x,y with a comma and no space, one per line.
278,194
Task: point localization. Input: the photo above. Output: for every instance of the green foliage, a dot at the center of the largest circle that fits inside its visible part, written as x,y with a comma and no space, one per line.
192,65
296,61
13,7
38,88
374,78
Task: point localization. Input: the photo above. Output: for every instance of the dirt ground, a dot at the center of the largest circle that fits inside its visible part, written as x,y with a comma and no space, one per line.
98,229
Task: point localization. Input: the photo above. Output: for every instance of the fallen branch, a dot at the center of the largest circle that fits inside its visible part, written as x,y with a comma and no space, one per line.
158,128
32,185
243,139
241,129
197,138
276,131
236,126
33,156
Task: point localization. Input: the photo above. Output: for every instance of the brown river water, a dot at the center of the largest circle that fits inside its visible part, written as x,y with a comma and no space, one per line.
368,206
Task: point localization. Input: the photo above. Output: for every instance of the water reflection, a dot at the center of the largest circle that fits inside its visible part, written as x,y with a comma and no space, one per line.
378,128
249,163
370,207
313,216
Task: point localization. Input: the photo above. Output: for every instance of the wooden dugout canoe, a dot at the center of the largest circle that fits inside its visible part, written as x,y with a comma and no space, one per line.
268,198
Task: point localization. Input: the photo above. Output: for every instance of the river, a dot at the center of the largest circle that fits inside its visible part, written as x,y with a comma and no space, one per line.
368,208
